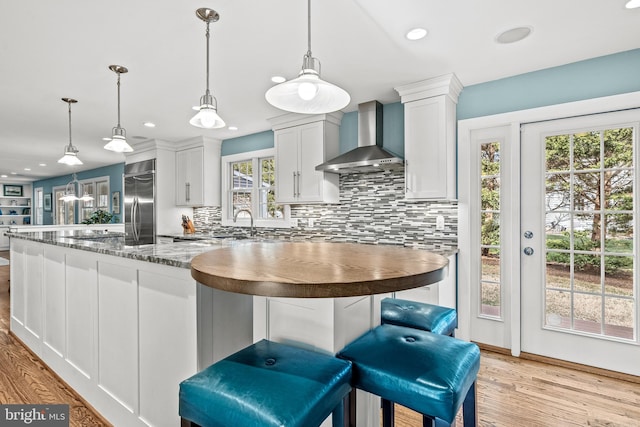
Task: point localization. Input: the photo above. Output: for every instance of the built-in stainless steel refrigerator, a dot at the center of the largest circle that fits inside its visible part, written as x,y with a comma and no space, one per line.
139,202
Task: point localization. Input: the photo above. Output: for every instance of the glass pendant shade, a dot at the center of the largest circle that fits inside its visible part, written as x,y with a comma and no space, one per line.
118,144
207,116
70,156
308,93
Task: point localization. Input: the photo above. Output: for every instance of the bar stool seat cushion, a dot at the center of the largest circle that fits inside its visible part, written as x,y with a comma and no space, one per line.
420,370
412,314
266,384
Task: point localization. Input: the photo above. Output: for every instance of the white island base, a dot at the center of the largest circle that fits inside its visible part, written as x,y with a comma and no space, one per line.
122,333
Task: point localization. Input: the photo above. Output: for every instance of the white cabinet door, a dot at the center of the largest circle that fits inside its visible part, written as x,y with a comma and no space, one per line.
190,177
430,148
299,150
286,144
310,181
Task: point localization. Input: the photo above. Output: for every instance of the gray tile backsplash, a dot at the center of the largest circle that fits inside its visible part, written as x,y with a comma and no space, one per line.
372,209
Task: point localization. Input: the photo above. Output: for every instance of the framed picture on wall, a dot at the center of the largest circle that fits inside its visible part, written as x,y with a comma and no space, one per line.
47,202
13,190
115,202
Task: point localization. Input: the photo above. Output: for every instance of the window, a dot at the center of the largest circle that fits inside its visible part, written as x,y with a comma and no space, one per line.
249,185
98,188
490,289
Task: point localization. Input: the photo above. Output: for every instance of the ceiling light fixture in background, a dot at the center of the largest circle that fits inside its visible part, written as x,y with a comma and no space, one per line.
416,34
307,93
70,191
118,141
632,4
513,35
207,116
70,152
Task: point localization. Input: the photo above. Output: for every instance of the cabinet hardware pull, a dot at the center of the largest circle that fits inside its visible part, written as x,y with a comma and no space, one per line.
187,188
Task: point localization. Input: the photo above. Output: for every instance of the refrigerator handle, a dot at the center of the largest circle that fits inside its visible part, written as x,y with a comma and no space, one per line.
134,219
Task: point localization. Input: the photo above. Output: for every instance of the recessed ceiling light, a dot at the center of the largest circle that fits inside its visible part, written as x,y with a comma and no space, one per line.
43,164
106,139
149,124
233,128
513,35
3,176
416,34
27,169
14,173
632,4
278,79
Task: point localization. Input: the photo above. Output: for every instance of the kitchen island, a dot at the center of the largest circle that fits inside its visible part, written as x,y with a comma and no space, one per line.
124,325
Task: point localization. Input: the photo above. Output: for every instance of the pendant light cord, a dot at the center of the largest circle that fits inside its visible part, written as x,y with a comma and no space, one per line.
207,36
309,28
70,145
118,99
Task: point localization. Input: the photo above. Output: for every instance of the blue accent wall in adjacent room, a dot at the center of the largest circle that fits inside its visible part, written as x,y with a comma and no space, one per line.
114,172
592,78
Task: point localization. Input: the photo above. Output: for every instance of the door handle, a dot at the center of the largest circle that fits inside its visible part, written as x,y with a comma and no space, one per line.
528,251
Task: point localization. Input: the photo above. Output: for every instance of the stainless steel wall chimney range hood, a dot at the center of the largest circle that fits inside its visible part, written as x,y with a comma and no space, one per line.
369,156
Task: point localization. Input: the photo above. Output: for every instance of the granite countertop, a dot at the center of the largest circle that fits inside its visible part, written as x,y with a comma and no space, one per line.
175,254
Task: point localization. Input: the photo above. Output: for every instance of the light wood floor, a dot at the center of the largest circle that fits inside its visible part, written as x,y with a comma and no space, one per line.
512,392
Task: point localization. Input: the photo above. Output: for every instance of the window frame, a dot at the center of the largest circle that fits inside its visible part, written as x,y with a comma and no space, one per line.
227,192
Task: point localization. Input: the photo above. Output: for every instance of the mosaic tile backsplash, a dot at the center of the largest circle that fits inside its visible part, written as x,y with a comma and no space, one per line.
372,209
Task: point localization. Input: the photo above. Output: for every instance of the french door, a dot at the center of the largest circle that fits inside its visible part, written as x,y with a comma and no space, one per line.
579,214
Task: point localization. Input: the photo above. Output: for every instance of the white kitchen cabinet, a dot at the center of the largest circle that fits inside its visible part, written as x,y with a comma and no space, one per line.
301,144
198,173
430,137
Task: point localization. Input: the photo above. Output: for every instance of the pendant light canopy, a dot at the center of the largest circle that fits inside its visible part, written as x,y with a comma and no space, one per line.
70,152
207,116
308,93
118,141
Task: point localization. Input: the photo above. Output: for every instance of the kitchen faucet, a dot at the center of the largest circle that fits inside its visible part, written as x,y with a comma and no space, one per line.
252,231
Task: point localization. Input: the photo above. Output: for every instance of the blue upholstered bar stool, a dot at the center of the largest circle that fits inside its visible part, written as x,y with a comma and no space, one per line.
429,373
267,384
419,315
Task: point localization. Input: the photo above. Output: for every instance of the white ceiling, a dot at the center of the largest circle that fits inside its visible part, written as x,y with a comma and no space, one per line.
55,49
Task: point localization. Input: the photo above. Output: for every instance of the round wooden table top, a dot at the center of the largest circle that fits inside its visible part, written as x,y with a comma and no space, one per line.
317,270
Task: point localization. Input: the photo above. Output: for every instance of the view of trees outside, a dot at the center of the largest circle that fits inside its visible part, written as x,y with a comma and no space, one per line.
589,227
589,232
244,187
490,229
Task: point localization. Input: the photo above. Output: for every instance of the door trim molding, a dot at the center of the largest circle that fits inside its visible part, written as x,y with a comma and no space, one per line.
514,119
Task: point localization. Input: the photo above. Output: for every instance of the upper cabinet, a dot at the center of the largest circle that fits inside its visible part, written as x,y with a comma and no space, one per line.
303,142
198,173
430,137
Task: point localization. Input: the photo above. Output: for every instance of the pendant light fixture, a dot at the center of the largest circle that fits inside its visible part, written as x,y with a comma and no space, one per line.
308,93
207,116
118,141
70,152
70,192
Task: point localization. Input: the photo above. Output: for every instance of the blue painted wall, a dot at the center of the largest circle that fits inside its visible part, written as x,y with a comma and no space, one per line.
114,172
253,142
592,78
